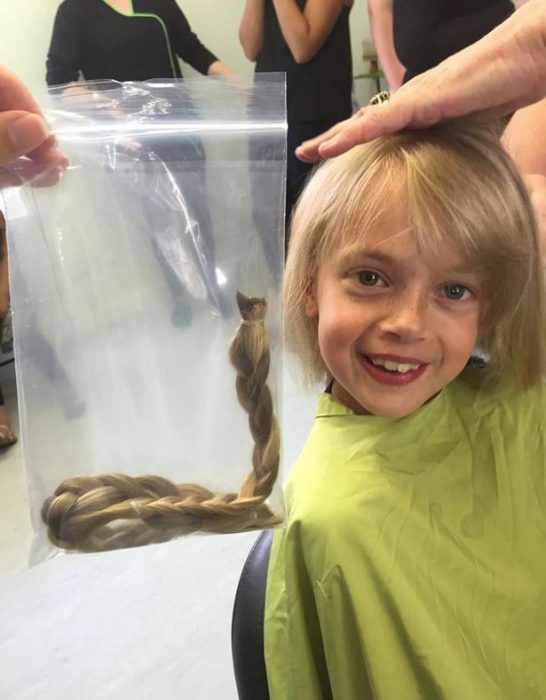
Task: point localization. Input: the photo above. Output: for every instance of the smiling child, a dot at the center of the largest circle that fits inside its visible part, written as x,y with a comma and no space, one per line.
413,561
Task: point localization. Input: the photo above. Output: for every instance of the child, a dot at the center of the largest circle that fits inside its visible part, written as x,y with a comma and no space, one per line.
413,563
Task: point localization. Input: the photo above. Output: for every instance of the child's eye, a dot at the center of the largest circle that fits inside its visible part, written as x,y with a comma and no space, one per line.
369,278
456,292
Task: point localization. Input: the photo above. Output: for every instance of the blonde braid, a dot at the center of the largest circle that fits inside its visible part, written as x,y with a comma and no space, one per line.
111,511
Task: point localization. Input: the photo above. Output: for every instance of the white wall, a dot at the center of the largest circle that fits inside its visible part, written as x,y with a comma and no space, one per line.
25,27
25,30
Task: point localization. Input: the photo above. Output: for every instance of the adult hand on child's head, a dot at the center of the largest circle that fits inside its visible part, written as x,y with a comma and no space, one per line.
23,130
495,76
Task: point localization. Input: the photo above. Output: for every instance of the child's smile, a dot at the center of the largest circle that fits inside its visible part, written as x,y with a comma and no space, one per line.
395,325
393,370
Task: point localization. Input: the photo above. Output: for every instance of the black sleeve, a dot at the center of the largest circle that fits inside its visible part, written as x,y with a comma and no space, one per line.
63,59
185,42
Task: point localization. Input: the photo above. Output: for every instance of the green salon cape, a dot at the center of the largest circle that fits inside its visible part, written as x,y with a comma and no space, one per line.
413,563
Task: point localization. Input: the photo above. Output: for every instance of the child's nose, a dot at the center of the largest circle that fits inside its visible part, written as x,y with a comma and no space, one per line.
406,317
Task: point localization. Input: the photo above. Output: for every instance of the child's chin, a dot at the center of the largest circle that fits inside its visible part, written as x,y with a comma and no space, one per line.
401,410
383,404
396,413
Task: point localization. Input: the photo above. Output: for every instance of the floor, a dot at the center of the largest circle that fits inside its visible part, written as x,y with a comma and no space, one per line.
143,624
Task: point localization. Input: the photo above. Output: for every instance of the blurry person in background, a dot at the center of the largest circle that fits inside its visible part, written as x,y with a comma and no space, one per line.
140,40
309,40
124,40
380,14
428,31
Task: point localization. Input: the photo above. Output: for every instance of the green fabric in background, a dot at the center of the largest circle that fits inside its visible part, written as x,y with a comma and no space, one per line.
413,563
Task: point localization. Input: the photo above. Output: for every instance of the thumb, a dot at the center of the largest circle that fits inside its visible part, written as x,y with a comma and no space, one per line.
20,133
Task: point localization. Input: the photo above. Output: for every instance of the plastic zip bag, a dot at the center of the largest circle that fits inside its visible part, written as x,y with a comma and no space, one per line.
146,311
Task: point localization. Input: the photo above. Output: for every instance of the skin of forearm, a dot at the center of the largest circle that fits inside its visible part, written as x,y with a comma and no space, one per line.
512,57
533,13
304,38
295,29
251,29
381,25
536,186
219,68
525,140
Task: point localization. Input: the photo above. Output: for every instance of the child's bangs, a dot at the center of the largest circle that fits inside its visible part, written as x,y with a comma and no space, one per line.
447,201
364,198
460,196
447,210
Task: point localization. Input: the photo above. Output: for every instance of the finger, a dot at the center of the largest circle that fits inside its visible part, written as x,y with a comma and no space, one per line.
16,98
369,124
14,95
20,133
308,151
49,154
36,173
366,124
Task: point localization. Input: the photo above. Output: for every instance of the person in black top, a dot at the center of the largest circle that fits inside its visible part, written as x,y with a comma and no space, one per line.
428,31
309,40
124,40
139,40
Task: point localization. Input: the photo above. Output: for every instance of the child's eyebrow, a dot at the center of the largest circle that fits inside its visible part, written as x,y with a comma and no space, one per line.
358,257
462,270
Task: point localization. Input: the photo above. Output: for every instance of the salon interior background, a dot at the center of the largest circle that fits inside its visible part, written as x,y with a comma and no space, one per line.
25,32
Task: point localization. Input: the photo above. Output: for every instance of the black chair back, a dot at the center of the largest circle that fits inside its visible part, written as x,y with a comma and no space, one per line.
247,624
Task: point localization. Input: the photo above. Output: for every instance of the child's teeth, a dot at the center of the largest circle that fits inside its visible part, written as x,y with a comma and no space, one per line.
406,368
394,366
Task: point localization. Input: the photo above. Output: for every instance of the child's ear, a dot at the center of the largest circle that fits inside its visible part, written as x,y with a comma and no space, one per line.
311,303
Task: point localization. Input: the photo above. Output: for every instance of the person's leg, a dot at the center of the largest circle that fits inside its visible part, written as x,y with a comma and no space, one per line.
48,362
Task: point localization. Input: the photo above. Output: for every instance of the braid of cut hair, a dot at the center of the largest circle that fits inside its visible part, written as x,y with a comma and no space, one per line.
113,511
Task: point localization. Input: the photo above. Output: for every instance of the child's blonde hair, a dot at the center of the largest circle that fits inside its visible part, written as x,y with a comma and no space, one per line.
460,186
